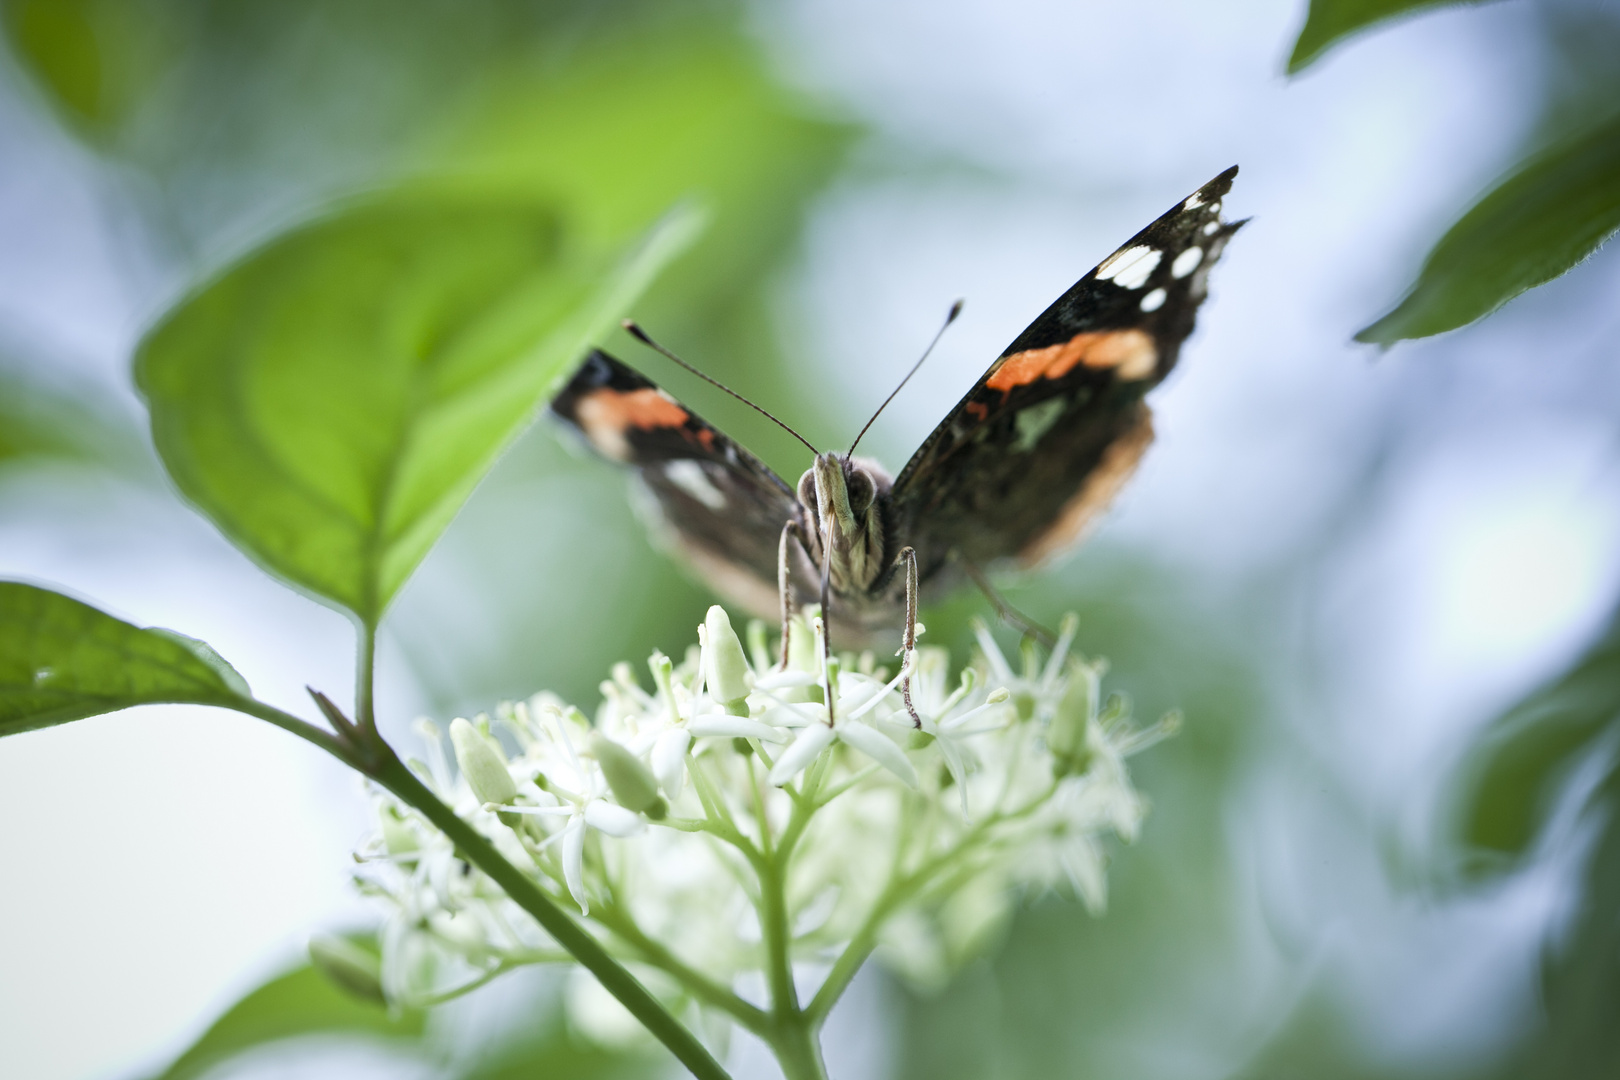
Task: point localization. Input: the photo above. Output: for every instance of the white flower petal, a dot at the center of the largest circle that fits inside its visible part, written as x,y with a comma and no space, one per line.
737,727
612,819
669,759
805,749
789,715
573,860
880,748
783,680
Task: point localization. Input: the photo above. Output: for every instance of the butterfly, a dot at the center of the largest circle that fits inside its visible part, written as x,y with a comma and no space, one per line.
1029,458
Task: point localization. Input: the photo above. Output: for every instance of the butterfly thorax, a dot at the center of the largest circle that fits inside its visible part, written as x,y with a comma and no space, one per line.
847,502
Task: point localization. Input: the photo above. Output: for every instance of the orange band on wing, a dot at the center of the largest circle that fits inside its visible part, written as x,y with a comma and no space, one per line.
1131,353
605,414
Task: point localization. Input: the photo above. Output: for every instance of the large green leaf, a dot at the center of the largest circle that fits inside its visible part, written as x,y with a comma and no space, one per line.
61,660
1550,214
331,400
1514,777
1330,20
299,1003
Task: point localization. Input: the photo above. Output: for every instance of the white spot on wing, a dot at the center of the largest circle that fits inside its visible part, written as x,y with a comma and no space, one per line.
1154,300
1193,202
1186,262
689,477
1130,268
1212,228
1214,207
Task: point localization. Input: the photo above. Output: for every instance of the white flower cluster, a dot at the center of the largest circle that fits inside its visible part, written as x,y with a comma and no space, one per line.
717,828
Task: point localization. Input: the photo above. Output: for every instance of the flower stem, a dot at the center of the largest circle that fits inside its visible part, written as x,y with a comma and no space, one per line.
615,979
365,668
798,1050
372,756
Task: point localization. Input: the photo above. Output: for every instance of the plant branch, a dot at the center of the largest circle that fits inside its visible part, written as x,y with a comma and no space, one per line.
615,979
365,712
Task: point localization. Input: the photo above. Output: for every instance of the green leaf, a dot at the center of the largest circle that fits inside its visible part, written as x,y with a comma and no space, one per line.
331,400
549,1050
1513,778
1330,20
300,1002
98,59
1554,211
61,660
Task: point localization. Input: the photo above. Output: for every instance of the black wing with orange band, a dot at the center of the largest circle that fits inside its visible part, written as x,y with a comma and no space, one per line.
1056,426
724,509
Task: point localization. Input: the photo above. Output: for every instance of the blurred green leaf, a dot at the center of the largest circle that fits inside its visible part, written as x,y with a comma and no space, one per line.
1581,977
1554,211
1513,777
55,420
552,1051
61,660
332,399
1330,20
298,1003
96,58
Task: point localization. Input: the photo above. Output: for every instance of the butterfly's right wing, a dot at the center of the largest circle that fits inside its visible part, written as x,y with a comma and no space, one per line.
717,505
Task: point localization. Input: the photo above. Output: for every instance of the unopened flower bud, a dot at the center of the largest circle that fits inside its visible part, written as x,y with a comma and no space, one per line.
482,763
1066,738
357,970
631,782
727,667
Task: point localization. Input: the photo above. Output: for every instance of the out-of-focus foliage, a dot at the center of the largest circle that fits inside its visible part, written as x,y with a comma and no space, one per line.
304,1004
56,422
1554,211
1558,204
1521,765
331,401
1329,21
99,58
61,660
298,1003
1581,977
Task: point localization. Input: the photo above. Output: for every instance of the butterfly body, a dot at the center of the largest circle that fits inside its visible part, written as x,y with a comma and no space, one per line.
1016,471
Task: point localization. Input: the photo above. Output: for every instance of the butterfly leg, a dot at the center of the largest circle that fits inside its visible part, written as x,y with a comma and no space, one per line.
1006,612
908,647
791,532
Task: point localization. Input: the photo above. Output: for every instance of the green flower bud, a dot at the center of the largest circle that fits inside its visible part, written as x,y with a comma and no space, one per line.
663,673
482,763
632,783
1066,738
726,666
354,969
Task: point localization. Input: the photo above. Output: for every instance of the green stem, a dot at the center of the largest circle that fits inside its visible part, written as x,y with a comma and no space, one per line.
365,712
798,1051
776,932
291,724
615,979
373,757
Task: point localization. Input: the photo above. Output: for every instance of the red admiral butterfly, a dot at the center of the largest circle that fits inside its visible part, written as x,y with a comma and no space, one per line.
1030,457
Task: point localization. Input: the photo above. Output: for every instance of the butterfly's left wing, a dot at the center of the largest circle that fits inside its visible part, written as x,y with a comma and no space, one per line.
1041,445
717,505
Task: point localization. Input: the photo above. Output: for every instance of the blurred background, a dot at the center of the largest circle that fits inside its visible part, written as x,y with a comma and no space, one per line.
1379,584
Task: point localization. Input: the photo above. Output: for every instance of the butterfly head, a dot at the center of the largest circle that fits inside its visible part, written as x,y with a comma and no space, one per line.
847,497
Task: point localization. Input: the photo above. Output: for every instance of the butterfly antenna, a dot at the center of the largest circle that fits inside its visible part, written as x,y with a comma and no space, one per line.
956,309
640,335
